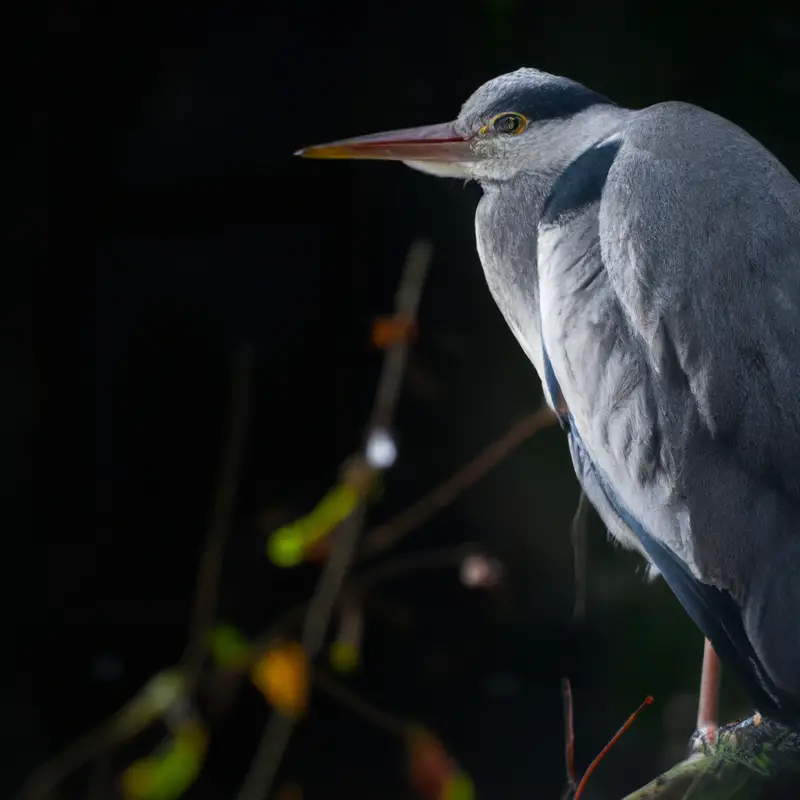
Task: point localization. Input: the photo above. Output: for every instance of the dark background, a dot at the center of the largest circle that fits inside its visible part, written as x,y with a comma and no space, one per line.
161,136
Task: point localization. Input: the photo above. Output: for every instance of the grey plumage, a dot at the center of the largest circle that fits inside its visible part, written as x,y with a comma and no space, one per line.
648,262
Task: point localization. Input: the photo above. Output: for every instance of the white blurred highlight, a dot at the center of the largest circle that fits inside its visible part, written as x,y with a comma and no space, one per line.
381,450
480,572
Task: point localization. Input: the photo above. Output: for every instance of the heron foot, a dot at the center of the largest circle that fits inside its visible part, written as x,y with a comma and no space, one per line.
705,738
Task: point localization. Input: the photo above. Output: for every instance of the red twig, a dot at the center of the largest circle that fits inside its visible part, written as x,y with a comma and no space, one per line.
569,736
614,739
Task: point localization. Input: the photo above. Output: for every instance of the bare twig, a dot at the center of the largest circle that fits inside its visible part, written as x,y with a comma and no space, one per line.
349,635
414,562
99,776
146,706
265,763
350,700
569,739
361,585
389,533
394,365
226,489
108,734
614,739
42,783
275,738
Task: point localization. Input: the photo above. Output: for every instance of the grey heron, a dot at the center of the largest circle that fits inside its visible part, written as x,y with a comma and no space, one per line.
648,263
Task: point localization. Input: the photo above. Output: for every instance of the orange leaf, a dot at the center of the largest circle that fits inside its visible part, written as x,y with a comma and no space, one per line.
387,331
282,676
430,767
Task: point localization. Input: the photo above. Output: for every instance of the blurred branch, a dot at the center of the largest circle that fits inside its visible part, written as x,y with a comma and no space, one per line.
363,583
414,562
171,686
407,301
145,707
279,729
389,533
41,785
141,710
362,708
569,739
100,776
208,573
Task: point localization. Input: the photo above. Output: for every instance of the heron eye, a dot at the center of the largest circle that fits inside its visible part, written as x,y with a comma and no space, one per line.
509,123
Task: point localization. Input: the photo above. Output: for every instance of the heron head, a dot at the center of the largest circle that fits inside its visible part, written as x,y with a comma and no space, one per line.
513,123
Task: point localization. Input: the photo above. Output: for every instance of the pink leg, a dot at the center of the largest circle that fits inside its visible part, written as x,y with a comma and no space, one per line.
708,706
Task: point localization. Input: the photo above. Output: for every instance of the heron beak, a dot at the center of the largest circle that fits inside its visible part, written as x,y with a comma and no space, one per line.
434,143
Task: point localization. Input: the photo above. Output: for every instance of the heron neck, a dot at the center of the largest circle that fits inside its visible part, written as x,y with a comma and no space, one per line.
507,222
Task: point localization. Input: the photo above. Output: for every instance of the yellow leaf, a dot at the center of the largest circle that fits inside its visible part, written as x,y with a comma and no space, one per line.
282,676
459,787
167,775
344,657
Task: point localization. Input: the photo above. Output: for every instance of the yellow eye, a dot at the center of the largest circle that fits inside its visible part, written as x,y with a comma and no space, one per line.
509,123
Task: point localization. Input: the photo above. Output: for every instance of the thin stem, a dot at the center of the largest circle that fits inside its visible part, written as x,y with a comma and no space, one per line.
389,533
99,776
351,622
363,583
225,493
614,739
414,562
43,782
409,294
279,729
569,737
367,711
112,731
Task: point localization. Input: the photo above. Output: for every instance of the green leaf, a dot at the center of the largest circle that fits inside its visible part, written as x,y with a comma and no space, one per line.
229,648
460,787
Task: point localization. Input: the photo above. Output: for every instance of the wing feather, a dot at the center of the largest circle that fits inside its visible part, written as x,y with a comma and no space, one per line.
670,309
